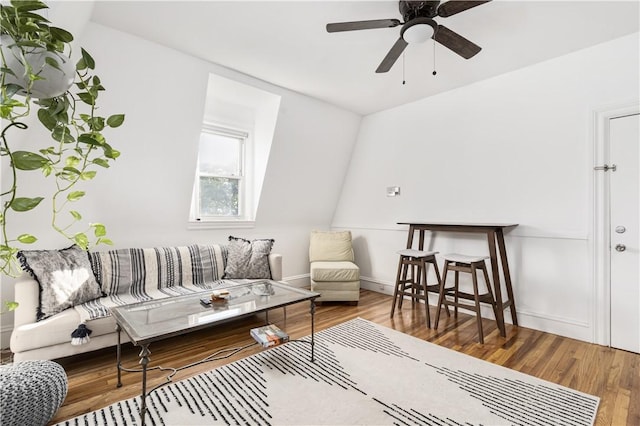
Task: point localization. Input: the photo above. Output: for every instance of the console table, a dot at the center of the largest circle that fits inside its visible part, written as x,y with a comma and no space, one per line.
495,236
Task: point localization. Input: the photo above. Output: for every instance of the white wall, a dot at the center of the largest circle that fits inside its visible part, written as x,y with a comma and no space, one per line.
514,148
144,197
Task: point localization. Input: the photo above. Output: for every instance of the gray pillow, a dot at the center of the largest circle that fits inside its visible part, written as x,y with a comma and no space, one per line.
65,278
248,259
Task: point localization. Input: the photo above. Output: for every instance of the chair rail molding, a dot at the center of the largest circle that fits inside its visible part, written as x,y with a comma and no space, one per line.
5,335
522,231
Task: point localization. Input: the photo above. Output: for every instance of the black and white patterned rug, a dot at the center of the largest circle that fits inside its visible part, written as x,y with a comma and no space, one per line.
364,374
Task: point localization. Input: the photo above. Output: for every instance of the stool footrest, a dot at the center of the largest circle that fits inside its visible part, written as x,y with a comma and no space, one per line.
434,288
460,305
483,298
415,296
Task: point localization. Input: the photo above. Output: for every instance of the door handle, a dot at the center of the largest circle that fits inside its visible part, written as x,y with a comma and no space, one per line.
606,167
620,247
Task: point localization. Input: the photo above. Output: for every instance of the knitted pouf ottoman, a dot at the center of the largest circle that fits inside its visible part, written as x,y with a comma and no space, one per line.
31,392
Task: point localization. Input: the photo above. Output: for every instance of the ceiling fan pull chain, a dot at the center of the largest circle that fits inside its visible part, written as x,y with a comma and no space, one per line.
434,58
403,80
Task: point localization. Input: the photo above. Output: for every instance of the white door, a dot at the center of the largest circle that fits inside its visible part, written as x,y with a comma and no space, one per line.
624,152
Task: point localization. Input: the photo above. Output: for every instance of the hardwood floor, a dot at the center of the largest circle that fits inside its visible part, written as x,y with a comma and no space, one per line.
611,374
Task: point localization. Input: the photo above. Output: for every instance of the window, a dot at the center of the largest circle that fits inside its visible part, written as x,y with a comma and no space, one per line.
235,140
220,183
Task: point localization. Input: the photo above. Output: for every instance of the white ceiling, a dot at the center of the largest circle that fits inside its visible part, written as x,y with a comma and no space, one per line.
285,42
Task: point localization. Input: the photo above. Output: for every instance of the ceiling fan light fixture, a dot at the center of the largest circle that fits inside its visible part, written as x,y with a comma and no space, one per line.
418,30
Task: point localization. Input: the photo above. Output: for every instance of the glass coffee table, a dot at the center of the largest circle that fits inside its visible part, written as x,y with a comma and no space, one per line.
148,322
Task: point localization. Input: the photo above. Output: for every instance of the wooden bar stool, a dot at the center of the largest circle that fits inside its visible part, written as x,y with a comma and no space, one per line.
411,280
470,264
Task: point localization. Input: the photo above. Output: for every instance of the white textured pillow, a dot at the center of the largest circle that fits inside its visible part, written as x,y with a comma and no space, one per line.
330,246
65,277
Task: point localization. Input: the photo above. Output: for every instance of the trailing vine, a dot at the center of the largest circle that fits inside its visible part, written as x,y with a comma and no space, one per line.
77,148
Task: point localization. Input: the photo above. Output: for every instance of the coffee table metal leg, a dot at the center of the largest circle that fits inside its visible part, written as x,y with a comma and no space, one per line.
313,312
144,361
118,358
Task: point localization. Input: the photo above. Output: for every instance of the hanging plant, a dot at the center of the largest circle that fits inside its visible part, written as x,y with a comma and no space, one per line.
37,73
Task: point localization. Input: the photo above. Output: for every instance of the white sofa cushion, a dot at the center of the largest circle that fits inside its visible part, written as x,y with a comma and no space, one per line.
334,271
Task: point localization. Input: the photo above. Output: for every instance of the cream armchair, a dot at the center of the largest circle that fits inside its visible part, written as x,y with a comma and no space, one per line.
333,272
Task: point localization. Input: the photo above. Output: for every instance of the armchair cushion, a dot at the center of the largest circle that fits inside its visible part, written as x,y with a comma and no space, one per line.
330,246
334,271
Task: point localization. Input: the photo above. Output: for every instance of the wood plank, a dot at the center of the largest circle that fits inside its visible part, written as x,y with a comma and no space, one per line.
611,374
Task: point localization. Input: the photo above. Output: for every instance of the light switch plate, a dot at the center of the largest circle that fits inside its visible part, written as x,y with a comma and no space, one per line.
393,191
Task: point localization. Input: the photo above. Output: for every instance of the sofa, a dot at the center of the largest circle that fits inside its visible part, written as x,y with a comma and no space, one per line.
94,281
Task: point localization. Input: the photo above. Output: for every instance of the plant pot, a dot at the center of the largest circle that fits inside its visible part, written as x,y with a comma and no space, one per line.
54,81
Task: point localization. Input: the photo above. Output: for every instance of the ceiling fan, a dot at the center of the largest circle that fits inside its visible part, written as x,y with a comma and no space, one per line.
418,26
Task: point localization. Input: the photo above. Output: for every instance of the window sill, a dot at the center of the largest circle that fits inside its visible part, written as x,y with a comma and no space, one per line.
220,224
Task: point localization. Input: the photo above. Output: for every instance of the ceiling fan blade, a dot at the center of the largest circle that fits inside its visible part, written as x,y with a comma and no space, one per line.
452,7
392,55
456,42
362,25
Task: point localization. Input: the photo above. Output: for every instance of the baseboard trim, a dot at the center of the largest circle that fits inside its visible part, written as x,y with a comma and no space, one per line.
376,285
5,335
299,281
553,318
563,326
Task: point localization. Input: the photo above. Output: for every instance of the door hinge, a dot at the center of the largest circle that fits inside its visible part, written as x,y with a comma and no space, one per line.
606,167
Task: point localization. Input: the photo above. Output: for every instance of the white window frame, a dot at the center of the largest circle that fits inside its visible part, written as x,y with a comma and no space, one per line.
241,220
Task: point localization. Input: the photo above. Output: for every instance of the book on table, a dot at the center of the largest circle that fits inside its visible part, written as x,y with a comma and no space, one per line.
269,335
